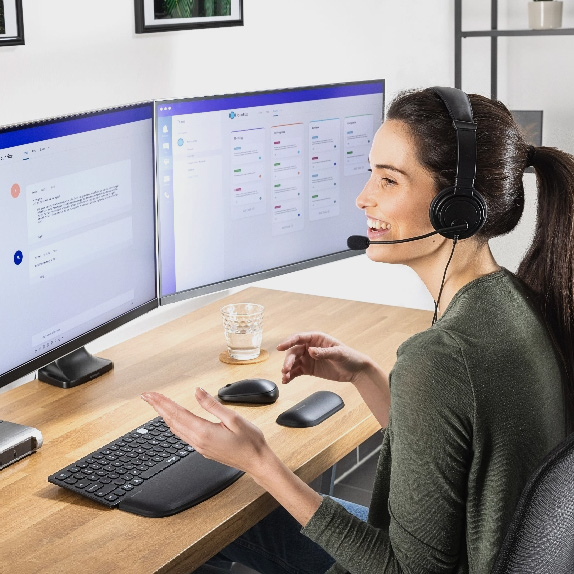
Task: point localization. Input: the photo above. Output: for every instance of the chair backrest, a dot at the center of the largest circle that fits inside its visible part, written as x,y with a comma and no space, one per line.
540,538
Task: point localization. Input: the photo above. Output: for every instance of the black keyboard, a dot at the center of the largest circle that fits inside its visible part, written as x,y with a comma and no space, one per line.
148,471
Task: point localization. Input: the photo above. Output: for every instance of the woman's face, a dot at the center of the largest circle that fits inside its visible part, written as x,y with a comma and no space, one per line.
397,196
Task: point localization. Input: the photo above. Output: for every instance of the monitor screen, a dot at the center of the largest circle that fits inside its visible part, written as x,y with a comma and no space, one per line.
77,232
254,185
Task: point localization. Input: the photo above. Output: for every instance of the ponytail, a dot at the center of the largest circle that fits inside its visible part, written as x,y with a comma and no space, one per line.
548,266
502,155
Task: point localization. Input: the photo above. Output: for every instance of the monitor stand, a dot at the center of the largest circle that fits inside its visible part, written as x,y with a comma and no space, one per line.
74,369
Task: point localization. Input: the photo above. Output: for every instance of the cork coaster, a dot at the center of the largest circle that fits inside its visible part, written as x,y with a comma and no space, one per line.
225,358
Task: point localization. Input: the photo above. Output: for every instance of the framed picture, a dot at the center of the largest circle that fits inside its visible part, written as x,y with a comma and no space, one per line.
11,23
531,123
167,15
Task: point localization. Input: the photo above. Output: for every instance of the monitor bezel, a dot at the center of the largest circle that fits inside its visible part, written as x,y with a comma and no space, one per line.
267,273
28,367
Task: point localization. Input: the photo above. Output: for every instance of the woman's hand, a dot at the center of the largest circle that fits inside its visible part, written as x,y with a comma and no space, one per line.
323,356
320,355
233,441
237,442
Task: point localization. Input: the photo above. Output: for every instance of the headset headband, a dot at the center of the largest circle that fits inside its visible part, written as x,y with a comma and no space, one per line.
460,111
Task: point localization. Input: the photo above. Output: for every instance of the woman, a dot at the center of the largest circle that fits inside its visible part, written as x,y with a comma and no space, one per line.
472,404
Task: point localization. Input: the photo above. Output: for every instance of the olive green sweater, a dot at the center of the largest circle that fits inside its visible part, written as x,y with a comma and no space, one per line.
476,403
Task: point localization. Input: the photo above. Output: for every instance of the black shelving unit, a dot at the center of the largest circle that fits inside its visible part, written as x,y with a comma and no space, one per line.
494,33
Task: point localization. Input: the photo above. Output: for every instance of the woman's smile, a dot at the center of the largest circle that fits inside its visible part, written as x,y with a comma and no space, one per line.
377,228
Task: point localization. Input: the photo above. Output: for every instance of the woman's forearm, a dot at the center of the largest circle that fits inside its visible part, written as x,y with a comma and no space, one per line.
373,385
298,498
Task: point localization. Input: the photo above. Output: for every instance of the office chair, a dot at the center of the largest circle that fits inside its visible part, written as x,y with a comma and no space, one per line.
540,538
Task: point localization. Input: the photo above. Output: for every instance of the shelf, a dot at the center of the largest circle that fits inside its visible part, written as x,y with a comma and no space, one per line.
494,33
498,33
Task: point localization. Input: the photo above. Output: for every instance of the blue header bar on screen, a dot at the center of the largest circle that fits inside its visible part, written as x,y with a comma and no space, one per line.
218,103
60,127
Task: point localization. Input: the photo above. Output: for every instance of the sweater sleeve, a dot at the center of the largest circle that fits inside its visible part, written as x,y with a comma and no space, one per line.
432,410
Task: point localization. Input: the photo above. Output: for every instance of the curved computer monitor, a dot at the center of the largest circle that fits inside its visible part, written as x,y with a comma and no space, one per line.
255,185
77,238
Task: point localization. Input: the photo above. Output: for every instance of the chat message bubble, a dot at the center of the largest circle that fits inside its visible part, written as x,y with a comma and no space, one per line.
60,256
63,204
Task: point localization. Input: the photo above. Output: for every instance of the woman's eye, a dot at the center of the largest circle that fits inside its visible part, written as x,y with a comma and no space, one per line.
382,181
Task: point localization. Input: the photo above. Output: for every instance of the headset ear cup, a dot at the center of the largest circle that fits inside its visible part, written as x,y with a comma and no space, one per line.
449,208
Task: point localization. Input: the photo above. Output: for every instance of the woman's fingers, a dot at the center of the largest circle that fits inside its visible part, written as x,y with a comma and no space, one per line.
292,341
182,422
209,404
233,441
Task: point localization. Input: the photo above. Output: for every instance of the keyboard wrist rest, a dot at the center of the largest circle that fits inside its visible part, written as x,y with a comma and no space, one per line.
180,486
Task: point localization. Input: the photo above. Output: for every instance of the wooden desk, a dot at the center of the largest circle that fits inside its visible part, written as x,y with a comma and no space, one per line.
44,528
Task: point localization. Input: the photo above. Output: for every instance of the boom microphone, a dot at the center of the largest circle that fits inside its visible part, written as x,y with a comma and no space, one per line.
359,242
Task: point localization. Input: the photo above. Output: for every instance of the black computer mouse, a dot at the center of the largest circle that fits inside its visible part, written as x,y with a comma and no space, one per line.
255,391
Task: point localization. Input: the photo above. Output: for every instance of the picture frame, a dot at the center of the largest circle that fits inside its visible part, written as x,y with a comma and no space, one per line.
530,122
168,15
11,23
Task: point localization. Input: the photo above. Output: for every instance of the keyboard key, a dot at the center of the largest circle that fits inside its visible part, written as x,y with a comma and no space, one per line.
94,487
106,489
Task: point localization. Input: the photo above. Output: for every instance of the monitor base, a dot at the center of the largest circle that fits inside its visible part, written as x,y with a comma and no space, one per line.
76,368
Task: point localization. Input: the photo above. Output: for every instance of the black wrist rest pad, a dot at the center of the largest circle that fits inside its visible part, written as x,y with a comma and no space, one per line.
312,410
190,481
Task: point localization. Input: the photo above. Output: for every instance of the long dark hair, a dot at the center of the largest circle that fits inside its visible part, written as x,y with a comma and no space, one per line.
502,156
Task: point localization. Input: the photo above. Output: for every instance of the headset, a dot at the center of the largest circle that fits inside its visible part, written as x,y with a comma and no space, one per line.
456,212
460,204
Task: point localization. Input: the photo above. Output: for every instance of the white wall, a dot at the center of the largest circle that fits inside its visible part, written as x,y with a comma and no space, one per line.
82,55
85,55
